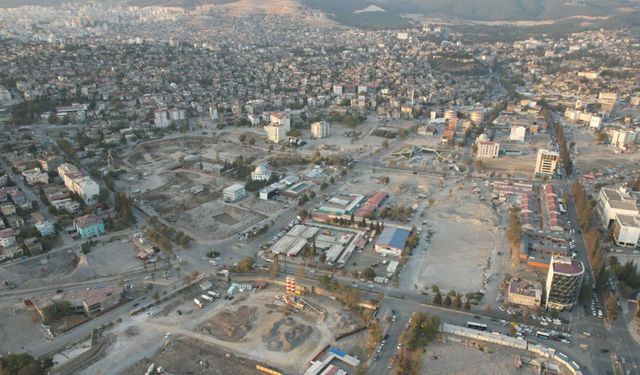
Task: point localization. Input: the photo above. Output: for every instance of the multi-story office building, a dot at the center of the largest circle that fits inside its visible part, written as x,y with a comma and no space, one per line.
564,280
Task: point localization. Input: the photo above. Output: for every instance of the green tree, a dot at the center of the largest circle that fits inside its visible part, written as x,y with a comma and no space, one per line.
447,301
24,364
467,305
369,273
457,302
53,118
437,299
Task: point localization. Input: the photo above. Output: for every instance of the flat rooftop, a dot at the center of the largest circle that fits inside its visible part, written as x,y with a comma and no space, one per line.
567,266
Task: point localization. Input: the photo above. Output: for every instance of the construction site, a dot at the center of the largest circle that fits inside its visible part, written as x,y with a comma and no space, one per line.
228,335
181,180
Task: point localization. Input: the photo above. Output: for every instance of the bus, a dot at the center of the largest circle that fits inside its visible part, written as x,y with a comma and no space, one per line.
542,335
477,326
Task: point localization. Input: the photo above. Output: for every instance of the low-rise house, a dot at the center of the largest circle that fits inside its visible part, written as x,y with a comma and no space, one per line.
261,173
45,228
10,252
89,226
8,209
33,246
15,222
525,293
7,237
234,193
66,204
91,302
35,177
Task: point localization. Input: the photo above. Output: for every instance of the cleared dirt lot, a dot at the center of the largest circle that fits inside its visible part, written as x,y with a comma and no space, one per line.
19,327
592,155
458,359
251,326
461,247
186,355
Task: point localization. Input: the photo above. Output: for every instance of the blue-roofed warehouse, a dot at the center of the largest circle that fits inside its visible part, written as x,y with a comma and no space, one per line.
392,240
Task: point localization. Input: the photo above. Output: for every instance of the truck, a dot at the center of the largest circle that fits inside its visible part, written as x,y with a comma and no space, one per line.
198,303
213,294
206,298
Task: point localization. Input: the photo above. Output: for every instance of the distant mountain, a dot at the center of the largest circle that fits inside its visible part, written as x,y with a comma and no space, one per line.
479,9
383,13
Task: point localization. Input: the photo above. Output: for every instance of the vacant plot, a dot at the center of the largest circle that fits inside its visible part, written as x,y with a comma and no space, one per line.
460,251
19,328
185,355
458,359
231,325
286,334
215,220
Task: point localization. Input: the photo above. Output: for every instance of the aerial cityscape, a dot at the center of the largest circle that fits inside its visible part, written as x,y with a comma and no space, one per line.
320,187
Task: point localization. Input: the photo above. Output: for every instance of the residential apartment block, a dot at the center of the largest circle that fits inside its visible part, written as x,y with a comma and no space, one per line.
546,161
78,183
89,226
320,129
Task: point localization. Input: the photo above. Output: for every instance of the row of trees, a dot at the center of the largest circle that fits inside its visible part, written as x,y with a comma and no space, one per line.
162,235
123,207
349,296
565,158
514,231
422,330
584,209
452,299
24,364
627,275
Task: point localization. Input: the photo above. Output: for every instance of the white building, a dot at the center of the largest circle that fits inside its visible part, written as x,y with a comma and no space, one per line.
626,230
595,122
337,89
275,133
612,202
234,193
78,183
623,139
35,176
261,173
320,129
518,133
213,113
546,161
486,148
176,114
161,120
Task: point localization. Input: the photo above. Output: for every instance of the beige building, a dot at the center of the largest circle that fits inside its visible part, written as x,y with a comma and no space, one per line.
477,116
525,293
320,129
275,133
607,101
547,161
623,139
